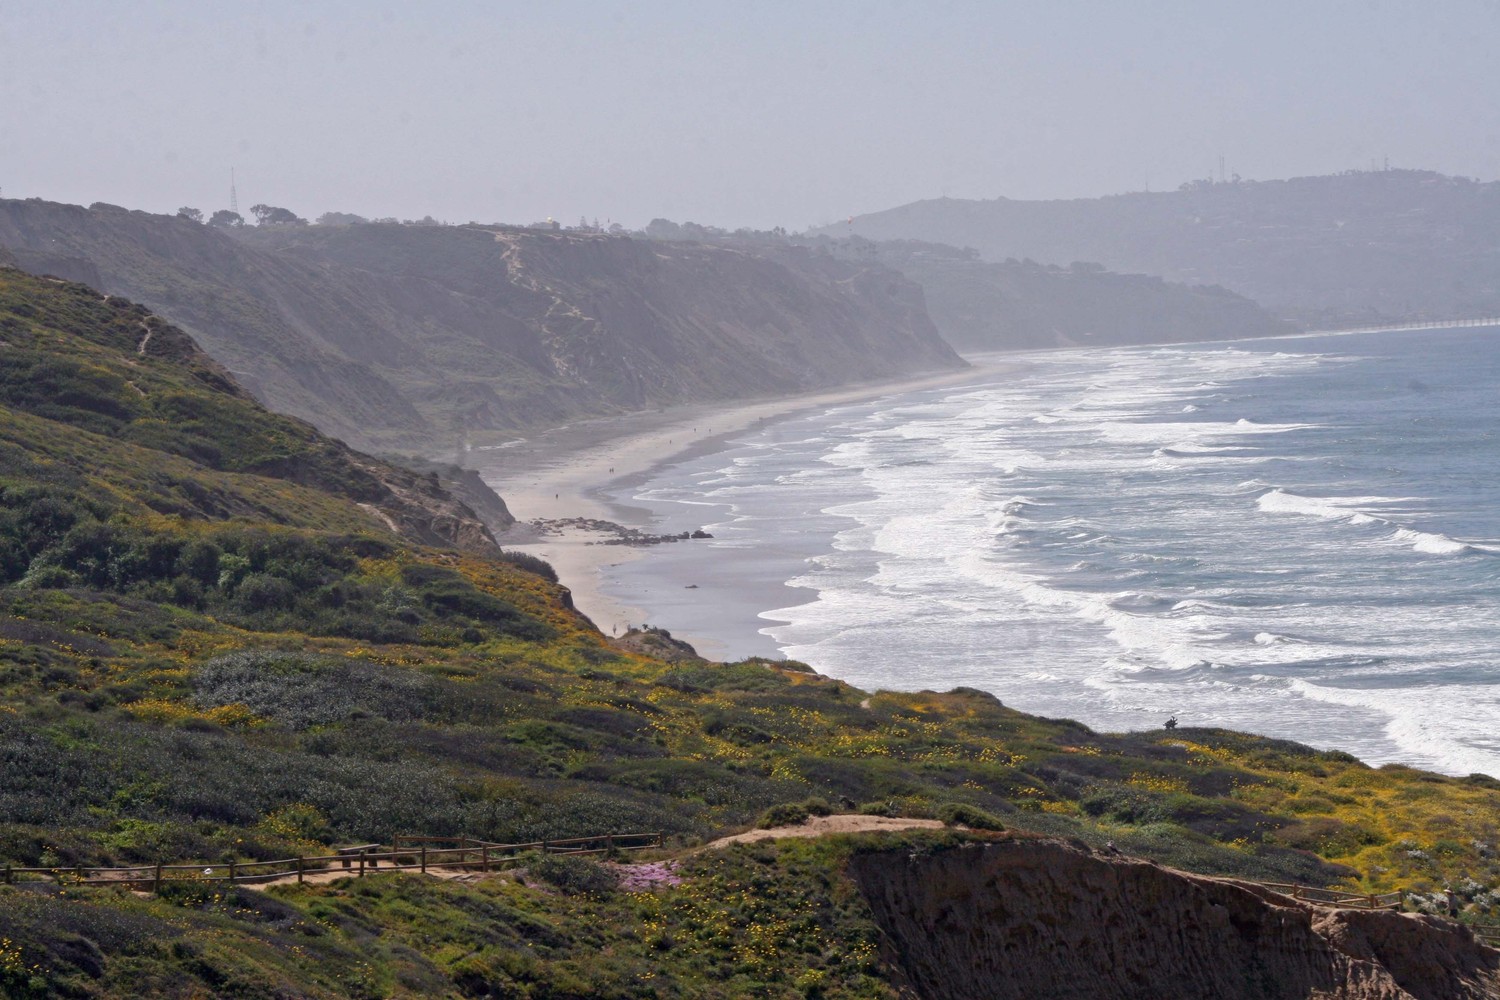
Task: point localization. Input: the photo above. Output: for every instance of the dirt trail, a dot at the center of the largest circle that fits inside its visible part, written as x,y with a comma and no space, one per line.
325,875
818,826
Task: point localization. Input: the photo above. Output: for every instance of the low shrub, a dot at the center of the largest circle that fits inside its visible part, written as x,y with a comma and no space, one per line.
530,563
793,813
963,814
572,874
785,814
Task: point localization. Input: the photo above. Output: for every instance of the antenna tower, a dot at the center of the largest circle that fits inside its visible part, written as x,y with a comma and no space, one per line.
234,197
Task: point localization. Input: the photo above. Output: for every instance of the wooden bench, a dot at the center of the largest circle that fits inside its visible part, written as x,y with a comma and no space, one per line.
348,855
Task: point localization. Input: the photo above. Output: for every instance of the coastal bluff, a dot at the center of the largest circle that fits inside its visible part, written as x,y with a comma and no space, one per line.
411,338
1031,917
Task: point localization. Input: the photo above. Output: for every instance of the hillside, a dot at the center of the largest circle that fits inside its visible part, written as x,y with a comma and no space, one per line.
406,338
980,305
226,638
1397,244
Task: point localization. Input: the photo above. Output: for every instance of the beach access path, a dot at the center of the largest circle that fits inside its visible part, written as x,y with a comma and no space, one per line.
563,472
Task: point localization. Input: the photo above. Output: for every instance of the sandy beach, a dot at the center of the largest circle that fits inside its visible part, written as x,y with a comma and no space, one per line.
561,473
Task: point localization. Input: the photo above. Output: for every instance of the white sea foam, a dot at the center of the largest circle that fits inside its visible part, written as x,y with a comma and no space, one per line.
1366,511
1077,541
1449,726
1430,542
1268,639
1278,501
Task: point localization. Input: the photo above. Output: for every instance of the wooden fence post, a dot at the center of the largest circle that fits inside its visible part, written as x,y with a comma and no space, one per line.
156,882
299,871
424,859
232,873
484,858
361,864
10,876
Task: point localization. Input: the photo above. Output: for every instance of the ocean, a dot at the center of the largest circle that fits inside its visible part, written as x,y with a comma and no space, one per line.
1294,537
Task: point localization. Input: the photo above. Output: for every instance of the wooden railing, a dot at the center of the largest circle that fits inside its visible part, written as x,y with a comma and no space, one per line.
1488,933
405,854
1337,897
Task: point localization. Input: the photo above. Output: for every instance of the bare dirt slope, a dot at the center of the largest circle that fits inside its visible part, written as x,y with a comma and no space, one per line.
1034,918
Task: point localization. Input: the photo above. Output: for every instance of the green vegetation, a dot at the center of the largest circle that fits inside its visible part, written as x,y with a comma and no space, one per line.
211,651
771,919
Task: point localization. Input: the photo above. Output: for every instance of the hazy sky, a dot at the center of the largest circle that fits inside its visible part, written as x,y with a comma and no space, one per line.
756,112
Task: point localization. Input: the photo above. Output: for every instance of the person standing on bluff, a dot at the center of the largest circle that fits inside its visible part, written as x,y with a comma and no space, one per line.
1452,898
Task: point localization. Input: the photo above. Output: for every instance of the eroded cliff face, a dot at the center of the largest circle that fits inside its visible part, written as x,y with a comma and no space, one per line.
424,509
406,338
1039,919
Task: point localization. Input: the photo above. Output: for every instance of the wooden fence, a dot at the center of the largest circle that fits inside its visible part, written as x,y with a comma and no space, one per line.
1337,897
406,854
1487,933
410,853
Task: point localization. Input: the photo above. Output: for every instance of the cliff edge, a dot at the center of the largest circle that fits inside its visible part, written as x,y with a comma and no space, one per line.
409,338
1034,918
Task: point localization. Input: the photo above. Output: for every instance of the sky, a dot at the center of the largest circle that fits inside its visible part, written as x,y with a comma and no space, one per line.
758,114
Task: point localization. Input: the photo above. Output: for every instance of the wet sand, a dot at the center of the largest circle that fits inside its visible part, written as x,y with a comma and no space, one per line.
563,472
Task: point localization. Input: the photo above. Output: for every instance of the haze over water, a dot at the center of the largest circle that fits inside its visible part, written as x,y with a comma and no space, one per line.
1298,537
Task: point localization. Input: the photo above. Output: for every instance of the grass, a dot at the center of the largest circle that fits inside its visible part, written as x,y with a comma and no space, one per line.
209,656
771,919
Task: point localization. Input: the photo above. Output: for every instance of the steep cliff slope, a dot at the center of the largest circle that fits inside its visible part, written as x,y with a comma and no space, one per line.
406,338
1398,243
984,305
1040,918
124,408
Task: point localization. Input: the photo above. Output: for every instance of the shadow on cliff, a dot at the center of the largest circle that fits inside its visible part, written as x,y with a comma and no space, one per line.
1034,919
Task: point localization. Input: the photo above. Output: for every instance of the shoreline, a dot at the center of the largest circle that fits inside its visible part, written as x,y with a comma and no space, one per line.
565,471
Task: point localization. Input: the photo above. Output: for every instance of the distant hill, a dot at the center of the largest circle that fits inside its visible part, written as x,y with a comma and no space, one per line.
402,337
1398,244
981,305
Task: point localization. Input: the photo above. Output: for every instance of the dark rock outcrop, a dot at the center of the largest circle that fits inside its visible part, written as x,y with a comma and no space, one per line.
657,642
1047,920
422,509
464,485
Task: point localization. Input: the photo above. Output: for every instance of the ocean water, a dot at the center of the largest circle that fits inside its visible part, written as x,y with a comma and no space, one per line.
1298,537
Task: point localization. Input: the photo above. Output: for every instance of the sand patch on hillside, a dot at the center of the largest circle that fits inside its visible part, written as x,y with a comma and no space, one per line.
818,826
